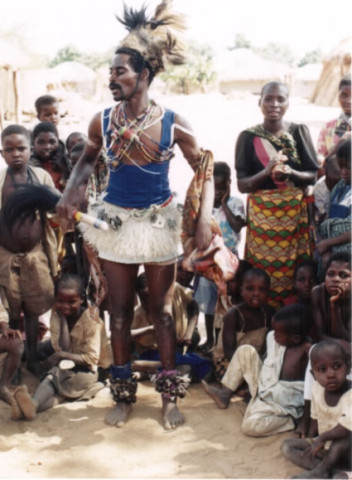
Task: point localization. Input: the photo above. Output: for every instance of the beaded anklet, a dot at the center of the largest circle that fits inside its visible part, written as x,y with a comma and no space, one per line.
123,386
171,385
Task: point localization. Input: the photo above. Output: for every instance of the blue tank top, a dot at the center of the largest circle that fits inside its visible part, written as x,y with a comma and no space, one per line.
132,186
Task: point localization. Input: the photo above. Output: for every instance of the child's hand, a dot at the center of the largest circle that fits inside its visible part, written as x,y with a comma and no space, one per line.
313,449
344,291
226,195
323,246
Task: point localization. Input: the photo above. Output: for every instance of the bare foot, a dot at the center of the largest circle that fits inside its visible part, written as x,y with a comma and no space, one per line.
221,396
5,394
25,402
118,414
172,417
16,412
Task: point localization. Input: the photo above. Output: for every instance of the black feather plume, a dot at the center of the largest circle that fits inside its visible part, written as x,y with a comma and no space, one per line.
26,201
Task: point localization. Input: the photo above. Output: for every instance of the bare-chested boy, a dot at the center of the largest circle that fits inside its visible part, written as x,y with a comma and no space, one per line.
276,385
28,250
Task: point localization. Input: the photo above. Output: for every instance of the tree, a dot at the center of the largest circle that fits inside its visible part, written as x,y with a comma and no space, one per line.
314,56
240,42
277,51
195,74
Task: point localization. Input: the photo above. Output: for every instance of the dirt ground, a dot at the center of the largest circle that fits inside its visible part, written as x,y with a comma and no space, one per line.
72,440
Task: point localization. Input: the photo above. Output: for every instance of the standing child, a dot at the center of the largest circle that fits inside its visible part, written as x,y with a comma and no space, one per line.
335,232
330,413
78,336
230,215
47,108
248,322
48,154
276,385
28,248
339,129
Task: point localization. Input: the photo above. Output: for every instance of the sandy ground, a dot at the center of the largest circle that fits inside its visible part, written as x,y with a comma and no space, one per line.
72,441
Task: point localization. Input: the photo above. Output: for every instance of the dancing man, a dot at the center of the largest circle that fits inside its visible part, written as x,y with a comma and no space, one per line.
144,219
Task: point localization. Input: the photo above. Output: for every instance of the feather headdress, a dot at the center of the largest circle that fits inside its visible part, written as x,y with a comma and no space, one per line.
154,38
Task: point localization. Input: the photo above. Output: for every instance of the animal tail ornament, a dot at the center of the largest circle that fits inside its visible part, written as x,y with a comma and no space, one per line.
29,199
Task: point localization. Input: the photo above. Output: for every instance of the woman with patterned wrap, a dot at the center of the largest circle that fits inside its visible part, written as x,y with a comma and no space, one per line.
275,161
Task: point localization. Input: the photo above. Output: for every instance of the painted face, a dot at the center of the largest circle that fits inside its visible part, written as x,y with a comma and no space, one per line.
305,281
345,170
329,368
274,102
280,334
49,113
123,80
337,274
16,150
68,302
254,291
45,145
345,99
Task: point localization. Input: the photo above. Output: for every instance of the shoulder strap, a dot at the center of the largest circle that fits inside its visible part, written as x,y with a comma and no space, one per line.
241,317
105,120
167,128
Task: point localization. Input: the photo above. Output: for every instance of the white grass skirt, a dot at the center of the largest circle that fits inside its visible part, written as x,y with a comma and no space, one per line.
135,236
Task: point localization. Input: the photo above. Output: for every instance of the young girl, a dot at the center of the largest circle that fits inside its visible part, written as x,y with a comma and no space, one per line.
248,322
330,413
80,345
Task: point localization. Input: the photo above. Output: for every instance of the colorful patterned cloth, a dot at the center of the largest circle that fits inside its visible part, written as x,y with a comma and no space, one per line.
277,236
331,133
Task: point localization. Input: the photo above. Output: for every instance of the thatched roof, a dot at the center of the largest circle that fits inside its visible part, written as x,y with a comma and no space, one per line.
72,72
245,64
336,64
12,56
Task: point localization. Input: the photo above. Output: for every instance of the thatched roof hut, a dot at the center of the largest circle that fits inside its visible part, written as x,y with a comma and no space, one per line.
336,64
12,59
244,69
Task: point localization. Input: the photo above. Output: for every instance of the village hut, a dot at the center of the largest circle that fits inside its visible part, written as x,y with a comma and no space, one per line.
243,69
335,65
306,79
73,76
12,59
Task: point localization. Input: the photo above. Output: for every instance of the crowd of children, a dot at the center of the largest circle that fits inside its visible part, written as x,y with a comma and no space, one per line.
288,355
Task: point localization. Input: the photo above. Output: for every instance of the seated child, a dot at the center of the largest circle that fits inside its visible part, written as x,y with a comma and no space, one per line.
49,155
76,336
246,323
276,385
332,300
28,248
10,344
335,231
331,414
185,315
305,278
331,303
229,213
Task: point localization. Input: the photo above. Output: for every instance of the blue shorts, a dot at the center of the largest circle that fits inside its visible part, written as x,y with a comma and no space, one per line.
206,294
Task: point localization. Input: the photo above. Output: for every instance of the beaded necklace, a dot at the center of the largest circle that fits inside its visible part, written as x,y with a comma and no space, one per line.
125,134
